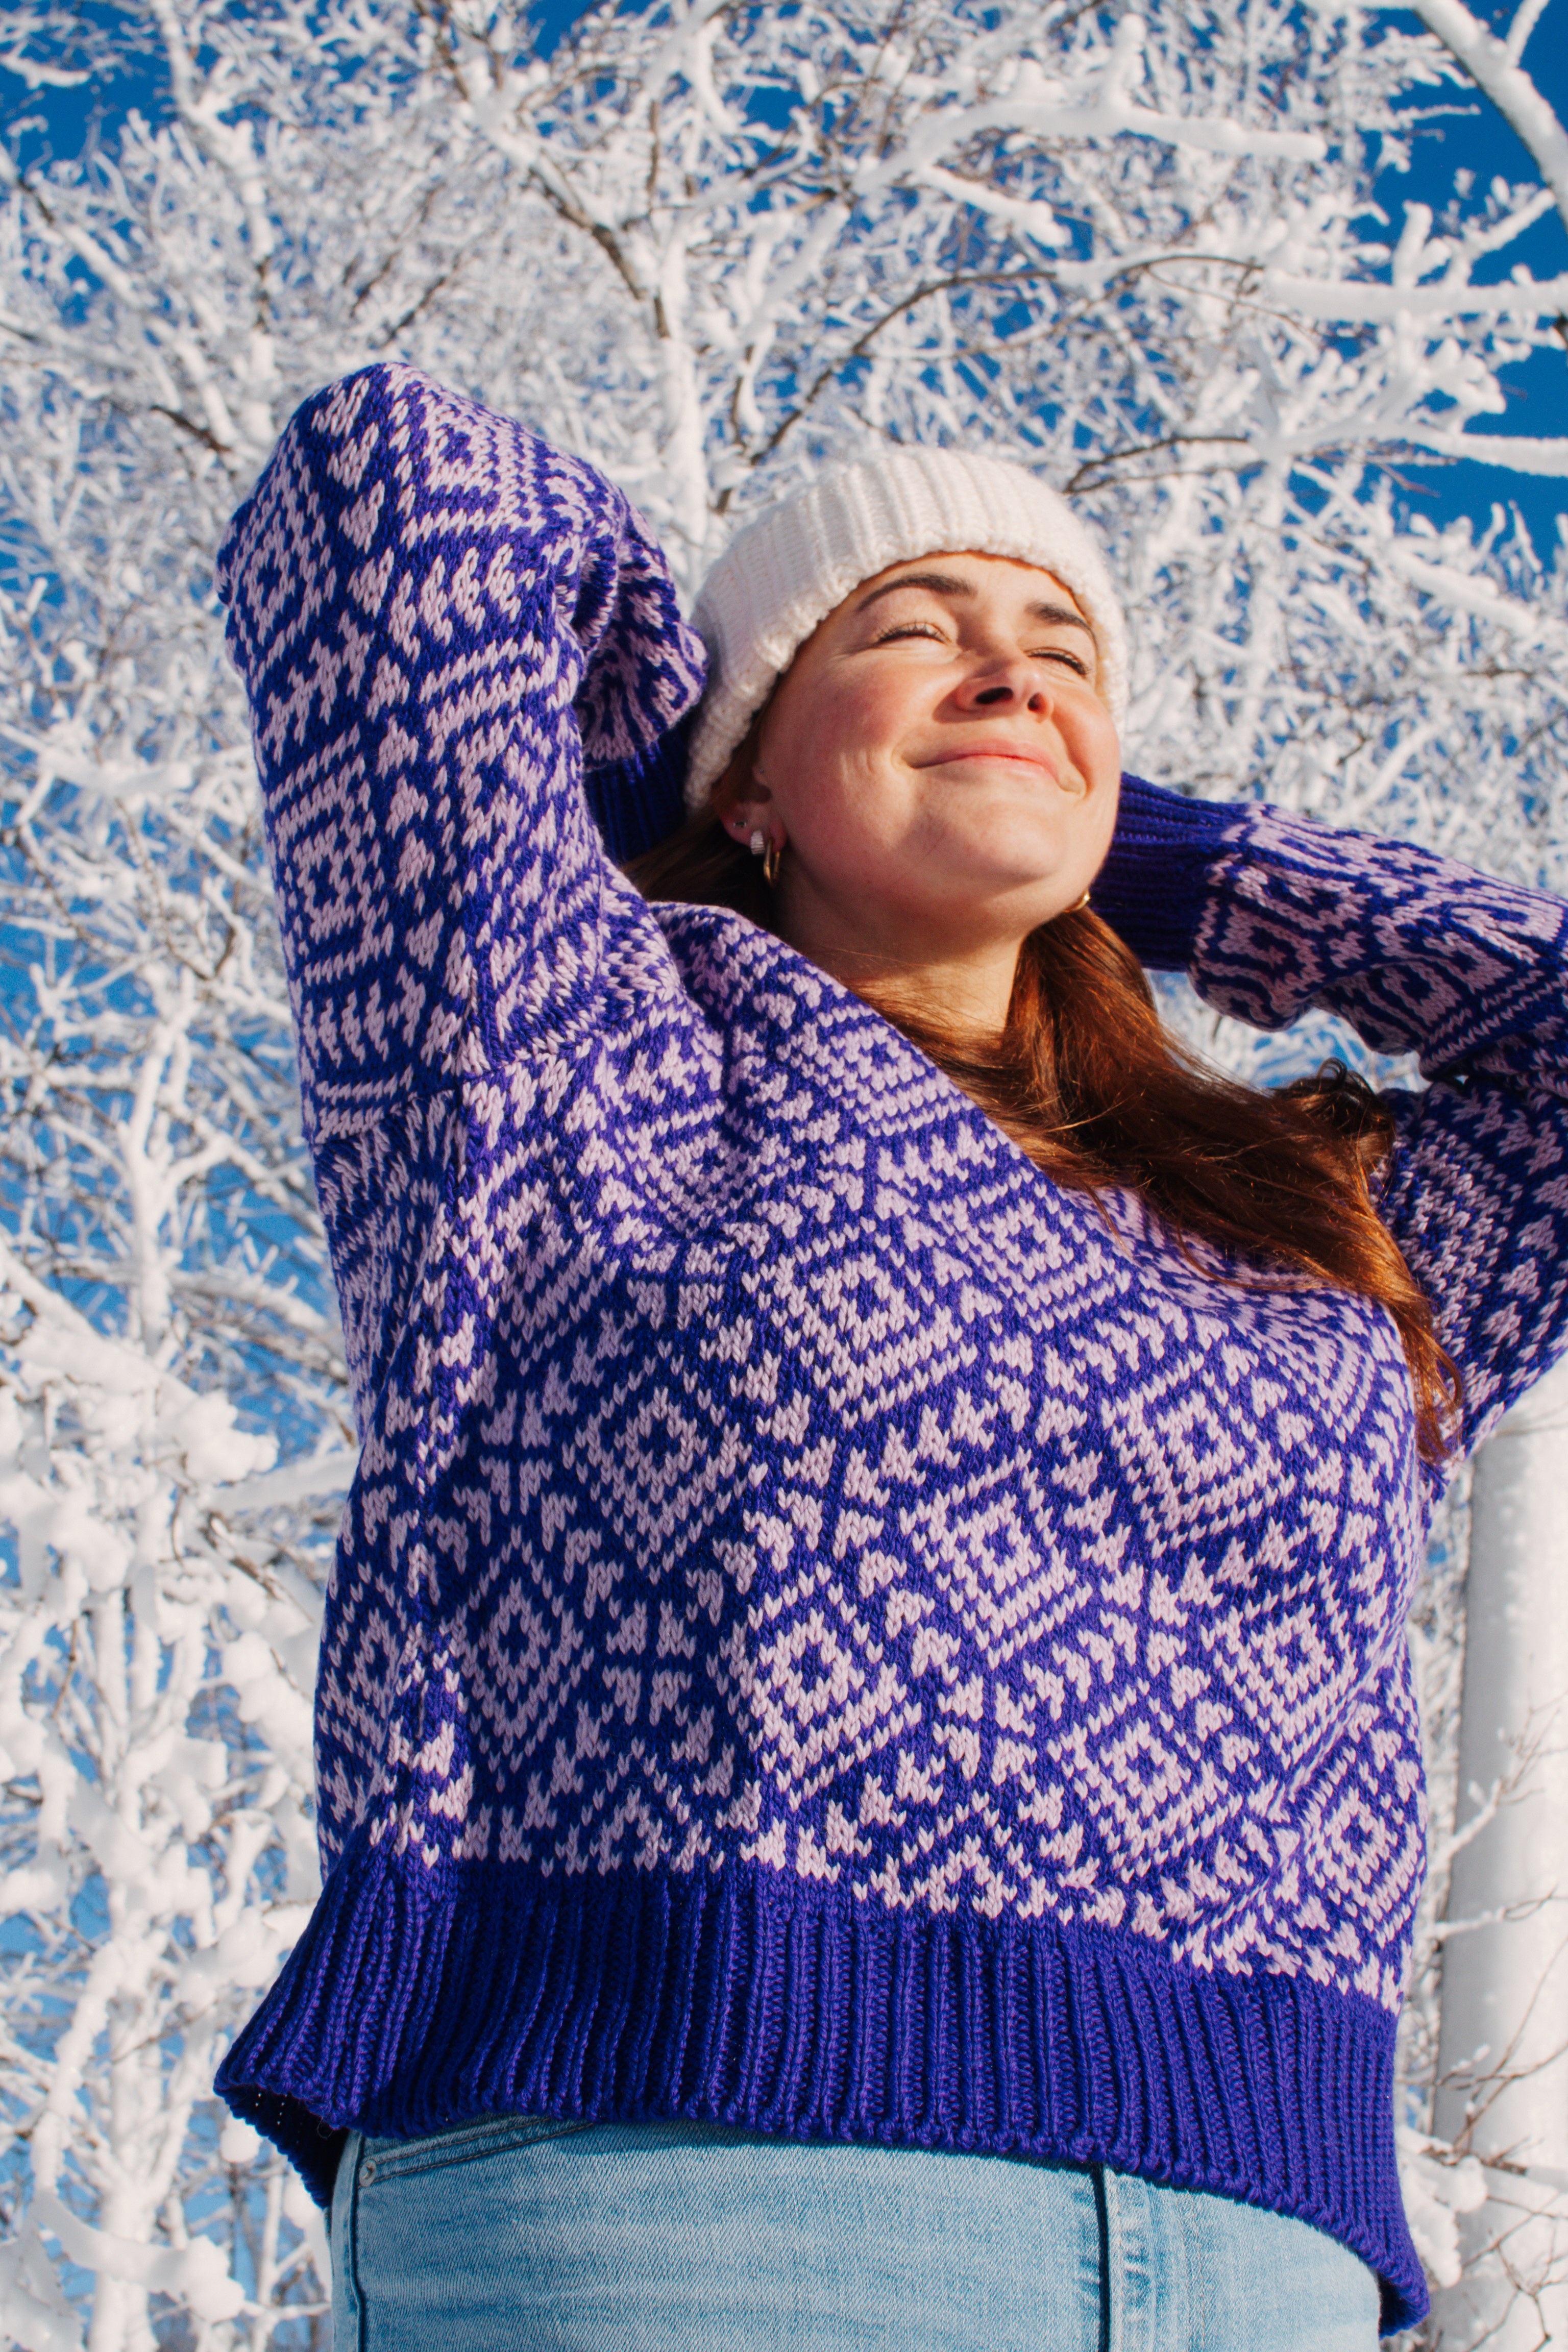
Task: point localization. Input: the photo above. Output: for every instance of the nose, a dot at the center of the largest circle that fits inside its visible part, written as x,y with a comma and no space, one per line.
1011,682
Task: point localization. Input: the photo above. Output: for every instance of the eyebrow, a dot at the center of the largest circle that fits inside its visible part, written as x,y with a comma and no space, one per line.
943,583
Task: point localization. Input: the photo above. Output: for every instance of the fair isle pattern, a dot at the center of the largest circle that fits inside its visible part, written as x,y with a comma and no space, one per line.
829,1630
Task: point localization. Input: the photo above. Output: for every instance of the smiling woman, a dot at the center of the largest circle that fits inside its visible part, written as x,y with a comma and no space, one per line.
869,1783
940,759
941,767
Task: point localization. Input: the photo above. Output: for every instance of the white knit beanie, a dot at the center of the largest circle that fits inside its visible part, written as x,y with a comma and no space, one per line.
786,571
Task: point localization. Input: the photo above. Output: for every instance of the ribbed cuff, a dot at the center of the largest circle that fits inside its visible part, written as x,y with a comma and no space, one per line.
1153,886
730,1998
638,801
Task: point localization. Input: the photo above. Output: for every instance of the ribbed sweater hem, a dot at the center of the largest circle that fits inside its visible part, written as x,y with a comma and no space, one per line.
734,1998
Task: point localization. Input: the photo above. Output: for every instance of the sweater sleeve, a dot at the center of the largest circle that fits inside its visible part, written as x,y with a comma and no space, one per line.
458,643
1271,915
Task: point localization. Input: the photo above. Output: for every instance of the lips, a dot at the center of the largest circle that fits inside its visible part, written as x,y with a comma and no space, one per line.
994,751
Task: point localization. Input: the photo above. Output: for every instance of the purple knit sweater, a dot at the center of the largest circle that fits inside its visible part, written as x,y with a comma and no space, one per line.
831,1631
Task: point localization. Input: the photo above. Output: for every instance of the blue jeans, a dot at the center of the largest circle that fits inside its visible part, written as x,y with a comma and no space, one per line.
517,2234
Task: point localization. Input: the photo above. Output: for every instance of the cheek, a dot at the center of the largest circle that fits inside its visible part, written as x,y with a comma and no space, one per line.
1096,748
836,718
828,752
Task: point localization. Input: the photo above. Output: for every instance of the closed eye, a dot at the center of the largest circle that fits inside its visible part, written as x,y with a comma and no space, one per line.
910,629
938,635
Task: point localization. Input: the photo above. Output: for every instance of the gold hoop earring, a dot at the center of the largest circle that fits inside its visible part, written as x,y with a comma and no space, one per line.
773,858
1078,905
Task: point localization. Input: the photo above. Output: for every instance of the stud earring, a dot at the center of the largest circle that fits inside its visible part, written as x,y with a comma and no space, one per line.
757,844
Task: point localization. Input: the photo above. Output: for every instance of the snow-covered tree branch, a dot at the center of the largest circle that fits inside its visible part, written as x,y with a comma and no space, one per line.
1496,67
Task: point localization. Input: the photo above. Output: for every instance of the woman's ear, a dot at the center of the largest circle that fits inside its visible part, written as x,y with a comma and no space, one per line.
741,799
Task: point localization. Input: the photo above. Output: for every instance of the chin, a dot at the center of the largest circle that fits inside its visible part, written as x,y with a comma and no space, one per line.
1020,902
1005,862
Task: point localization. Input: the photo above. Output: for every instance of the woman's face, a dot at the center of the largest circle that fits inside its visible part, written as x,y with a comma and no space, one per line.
939,765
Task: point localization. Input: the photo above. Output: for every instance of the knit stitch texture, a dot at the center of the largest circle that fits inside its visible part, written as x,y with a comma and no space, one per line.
831,1631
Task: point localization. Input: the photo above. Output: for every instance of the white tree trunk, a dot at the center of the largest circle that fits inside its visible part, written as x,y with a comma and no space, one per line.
1504,2052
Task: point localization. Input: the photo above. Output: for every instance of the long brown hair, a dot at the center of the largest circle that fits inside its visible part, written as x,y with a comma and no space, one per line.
1087,1079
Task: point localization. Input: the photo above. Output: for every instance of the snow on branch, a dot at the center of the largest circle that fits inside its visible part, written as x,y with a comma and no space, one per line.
1494,66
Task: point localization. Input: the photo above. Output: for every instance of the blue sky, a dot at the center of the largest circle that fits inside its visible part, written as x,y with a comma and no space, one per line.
1474,137
1464,131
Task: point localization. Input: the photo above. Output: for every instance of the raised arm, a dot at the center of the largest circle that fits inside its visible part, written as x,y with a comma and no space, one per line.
440,621
1272,914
